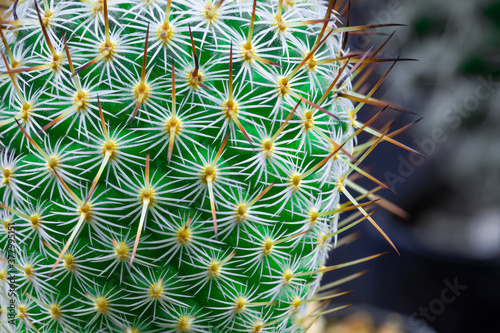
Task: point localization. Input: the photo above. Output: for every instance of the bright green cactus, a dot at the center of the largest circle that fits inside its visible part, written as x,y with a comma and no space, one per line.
176,166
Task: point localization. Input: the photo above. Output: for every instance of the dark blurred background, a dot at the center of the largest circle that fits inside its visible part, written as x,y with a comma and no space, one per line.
447,278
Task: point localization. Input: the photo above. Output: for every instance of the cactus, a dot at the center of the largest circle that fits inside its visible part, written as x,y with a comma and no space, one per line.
178,166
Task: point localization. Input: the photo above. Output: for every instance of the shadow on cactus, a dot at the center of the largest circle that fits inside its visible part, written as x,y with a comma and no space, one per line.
180,166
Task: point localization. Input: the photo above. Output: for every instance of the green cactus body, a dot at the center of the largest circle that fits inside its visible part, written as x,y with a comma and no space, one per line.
227,175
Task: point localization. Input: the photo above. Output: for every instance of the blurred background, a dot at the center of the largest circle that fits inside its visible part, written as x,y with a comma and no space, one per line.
448,275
